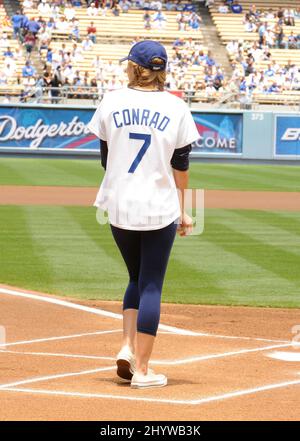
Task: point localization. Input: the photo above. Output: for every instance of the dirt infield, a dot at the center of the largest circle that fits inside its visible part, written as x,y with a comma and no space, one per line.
222,363
85,196
58,362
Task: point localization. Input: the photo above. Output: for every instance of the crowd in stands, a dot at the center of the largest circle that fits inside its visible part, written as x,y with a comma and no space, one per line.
59,70
268,24
110,75
60,73
254,69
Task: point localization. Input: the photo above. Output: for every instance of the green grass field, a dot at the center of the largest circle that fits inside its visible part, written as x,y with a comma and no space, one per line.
244,257
25,171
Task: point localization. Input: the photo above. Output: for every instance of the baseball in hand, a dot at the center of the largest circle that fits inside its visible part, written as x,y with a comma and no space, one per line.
185,226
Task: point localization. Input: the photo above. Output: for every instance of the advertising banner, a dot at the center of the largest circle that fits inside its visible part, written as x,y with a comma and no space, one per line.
219,133
287,135
51,128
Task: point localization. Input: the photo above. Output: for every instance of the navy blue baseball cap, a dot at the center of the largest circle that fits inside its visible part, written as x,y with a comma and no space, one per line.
145,51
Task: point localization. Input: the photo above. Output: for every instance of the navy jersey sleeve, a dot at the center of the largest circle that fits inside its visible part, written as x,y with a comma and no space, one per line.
180,159
103,153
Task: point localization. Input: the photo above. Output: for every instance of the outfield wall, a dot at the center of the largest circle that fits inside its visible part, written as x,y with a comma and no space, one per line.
223,134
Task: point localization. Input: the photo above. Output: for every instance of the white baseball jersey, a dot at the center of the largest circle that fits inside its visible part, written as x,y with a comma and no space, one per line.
142,130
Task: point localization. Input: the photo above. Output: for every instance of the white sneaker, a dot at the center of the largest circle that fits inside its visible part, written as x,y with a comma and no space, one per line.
140,381
125,364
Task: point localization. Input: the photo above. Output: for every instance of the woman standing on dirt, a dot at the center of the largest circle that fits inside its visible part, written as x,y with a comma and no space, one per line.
146,135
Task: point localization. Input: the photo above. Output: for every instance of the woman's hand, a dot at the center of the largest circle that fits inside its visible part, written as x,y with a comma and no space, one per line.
185,226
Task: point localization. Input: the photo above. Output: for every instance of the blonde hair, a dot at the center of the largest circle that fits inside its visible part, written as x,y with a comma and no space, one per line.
147,77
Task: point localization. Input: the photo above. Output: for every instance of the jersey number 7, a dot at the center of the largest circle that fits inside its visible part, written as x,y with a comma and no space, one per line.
147,141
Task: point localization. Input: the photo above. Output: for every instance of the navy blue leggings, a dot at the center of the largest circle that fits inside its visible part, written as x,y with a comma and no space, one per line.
146,254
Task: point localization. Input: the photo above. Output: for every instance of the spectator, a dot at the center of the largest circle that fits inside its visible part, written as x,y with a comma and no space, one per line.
159,20
51,24
77,54
236,8
87,44
209,59
156,5
179,42
69,12
250,26
223,9
76,3
44,38
270,38
279,35
253,12
29,42
44,7
8,53
147,20
109,68
41,21
3,78
116,10
17,22
9,68
113,83
269,72
270,14
262,32
54,11
98,62
92,11
92,32
27,4
289,17
182,21
28,70
55,83
194,21
18,54
232,47
125,5
280,15
62,25
5,23
292,41
33,26
49,55
274,88
75,33
210,91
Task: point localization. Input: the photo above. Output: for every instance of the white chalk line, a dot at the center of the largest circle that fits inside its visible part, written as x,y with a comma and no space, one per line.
177,362
57,376
89,309
58,354
62,337
161,362
65,337
234,337
285,356
221,355
171,329
197,402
